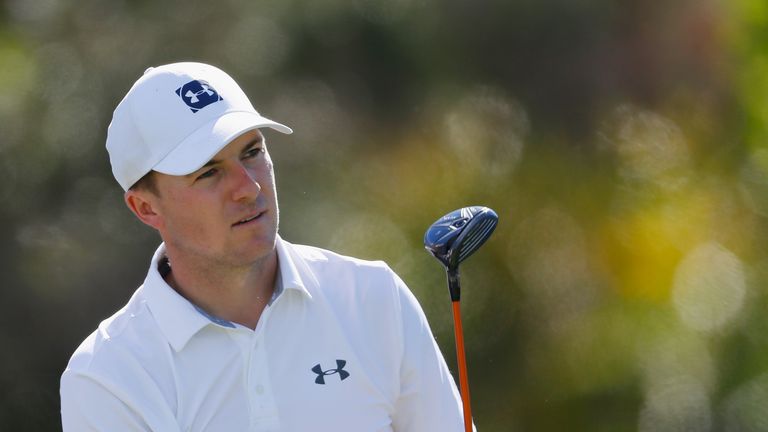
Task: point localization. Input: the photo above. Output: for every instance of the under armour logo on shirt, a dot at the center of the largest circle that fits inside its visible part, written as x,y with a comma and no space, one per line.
197,95
321,374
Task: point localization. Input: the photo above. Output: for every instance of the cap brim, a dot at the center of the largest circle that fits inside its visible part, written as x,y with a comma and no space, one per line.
200,147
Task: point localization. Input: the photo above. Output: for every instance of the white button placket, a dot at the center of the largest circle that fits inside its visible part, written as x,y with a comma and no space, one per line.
264,415
244,338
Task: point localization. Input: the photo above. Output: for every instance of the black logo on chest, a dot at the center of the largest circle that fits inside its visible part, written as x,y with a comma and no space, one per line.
321,374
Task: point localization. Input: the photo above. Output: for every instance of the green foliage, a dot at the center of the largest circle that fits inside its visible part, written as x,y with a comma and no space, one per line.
623,145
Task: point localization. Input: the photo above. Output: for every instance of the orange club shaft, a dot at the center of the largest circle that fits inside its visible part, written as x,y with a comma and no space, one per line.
462,362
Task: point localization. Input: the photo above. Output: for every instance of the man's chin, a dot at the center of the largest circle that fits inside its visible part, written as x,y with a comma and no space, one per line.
257,250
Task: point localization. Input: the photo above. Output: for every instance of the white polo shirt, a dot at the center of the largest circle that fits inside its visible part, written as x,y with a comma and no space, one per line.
344,346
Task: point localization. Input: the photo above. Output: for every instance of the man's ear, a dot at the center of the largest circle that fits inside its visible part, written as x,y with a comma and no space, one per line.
144,204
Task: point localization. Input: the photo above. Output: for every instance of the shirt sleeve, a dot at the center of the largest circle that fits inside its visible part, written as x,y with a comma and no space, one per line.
88,405
429,400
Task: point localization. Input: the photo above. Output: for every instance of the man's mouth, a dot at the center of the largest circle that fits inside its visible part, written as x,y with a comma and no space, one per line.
248,219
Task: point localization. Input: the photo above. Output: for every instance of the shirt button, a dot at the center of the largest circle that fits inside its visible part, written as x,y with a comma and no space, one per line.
259,389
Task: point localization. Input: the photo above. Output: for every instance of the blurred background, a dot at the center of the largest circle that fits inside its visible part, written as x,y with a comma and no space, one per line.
624,145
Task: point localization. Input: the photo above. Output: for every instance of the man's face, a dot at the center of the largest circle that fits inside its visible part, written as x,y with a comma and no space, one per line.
226,212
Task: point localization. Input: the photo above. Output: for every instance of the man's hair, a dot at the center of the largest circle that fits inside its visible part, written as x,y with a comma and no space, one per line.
146,183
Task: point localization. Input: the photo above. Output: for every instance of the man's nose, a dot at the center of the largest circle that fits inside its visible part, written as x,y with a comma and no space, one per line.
245,187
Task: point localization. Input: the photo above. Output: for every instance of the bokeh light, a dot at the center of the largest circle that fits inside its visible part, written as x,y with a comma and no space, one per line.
709,288
623,144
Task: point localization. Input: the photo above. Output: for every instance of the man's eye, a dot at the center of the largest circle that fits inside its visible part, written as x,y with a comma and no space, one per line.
254,152
207,174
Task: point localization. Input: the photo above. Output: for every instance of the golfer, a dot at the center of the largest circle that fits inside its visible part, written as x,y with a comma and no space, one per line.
235,329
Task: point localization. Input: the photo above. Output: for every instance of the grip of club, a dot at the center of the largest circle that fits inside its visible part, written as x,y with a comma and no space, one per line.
462,363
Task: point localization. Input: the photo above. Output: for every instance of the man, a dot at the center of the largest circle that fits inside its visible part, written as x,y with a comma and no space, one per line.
235,329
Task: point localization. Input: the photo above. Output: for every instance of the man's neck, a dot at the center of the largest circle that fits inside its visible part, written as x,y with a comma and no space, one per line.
236,294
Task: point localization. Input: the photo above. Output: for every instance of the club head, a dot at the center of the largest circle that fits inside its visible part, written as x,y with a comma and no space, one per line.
455,236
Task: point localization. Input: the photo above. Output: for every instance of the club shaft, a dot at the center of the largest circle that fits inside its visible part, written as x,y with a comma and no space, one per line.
454,286
462,362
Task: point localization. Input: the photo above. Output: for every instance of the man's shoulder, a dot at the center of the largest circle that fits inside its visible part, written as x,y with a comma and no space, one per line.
123,332
345,280
316,256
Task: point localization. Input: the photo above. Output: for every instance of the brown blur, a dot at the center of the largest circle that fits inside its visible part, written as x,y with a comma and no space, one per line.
623,144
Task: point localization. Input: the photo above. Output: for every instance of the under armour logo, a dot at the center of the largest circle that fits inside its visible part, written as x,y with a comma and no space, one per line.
197,95
321,374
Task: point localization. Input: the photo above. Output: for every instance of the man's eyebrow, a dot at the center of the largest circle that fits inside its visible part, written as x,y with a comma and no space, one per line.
250,144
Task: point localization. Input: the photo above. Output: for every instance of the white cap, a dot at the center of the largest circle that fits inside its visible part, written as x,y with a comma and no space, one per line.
175,118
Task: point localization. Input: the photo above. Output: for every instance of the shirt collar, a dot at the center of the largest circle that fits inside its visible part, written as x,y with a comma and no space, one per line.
179,319
289,274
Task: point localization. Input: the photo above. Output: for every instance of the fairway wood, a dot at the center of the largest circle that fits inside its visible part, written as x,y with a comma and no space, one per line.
455,236
452,239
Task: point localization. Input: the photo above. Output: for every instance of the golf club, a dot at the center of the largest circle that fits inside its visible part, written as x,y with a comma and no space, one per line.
452,239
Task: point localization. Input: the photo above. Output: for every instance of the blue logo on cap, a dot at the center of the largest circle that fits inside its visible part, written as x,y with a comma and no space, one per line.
197,95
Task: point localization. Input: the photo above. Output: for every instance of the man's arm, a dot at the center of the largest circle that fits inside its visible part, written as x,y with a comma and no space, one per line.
429,400
88,405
